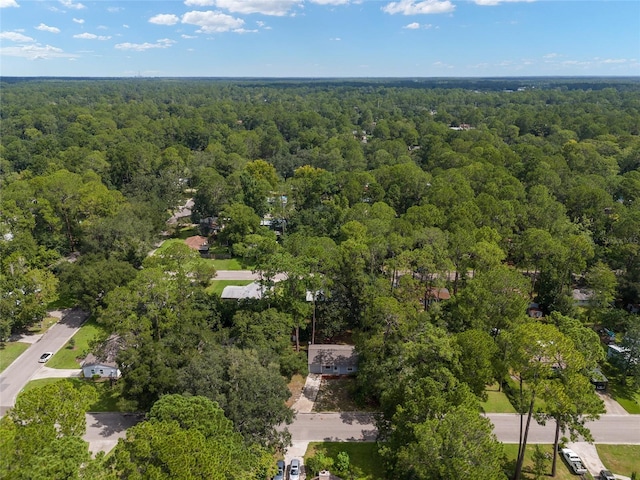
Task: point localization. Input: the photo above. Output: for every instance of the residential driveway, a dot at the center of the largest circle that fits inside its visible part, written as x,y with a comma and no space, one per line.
105,429
611,406
309,393
17,375
47,372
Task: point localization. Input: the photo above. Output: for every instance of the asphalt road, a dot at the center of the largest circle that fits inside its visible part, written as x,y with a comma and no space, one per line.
18,374
242,275
317,427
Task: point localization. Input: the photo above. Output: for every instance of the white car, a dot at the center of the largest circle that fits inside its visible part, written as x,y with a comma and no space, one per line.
45,356
574,461
294,469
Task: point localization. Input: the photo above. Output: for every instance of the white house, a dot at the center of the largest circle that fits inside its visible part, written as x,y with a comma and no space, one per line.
332,359
103,362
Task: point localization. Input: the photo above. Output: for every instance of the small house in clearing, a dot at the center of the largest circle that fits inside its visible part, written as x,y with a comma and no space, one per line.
103,362
251,291
332,359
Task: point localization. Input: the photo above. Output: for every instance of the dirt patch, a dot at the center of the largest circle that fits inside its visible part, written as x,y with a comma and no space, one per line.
336,394
295,387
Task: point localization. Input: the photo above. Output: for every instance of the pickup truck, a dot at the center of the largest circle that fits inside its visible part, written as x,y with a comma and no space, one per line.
573,460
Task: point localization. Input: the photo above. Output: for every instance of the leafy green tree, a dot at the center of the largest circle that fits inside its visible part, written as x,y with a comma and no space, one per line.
460,444
477,353
536,351
41,437
239,221
602,282
187,437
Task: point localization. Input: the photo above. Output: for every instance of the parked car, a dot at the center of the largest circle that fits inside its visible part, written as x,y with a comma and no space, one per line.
45,356
294,469
574,461
606,475
281,468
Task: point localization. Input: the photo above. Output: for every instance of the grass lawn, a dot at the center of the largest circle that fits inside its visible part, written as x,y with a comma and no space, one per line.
336,395
363,457
217,286
109,399
620,459
562,471
10,352
232,264
67,357
185,232
497,402
625,395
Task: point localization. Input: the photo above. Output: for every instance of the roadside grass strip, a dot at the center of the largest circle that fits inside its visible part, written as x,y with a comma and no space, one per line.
620,459
10,352
72,354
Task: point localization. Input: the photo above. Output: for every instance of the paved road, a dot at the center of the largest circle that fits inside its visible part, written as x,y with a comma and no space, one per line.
17,375
242,275
611,429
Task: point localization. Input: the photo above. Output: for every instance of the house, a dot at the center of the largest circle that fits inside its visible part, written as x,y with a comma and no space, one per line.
436,294
534,311
581,298
251,291
616,352
103,362
633,307
332,359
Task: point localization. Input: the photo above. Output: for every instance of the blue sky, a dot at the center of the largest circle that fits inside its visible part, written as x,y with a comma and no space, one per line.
319,38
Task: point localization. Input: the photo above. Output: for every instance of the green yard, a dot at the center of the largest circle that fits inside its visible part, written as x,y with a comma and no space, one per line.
363,457
562,471
217,286
109,398
68,356
231,264
497,401
620,459
626,395
10,352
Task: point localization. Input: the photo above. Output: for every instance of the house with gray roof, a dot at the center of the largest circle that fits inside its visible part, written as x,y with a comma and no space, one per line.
332,359
102,363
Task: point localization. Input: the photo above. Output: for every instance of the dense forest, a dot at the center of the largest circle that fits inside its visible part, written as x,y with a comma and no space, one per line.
372,195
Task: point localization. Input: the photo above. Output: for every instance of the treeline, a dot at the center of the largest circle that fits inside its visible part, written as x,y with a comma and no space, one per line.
380,196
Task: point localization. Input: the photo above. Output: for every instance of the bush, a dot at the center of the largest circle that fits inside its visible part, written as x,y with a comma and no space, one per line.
318,462
292,363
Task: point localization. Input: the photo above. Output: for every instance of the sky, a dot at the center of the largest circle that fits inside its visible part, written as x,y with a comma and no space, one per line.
319,38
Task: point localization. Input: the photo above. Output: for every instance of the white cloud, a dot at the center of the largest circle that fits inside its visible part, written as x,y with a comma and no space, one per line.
15,37
412,26
141,47
70,4
211,22
335,39
188,37
330,2
412,7
35,52
91,36
551,55
491,3
46,28
244,30
78,20
164,19
114,9
8,3
199,3
276,8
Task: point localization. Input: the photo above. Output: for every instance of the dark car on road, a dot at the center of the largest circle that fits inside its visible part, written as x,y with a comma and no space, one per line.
606,475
